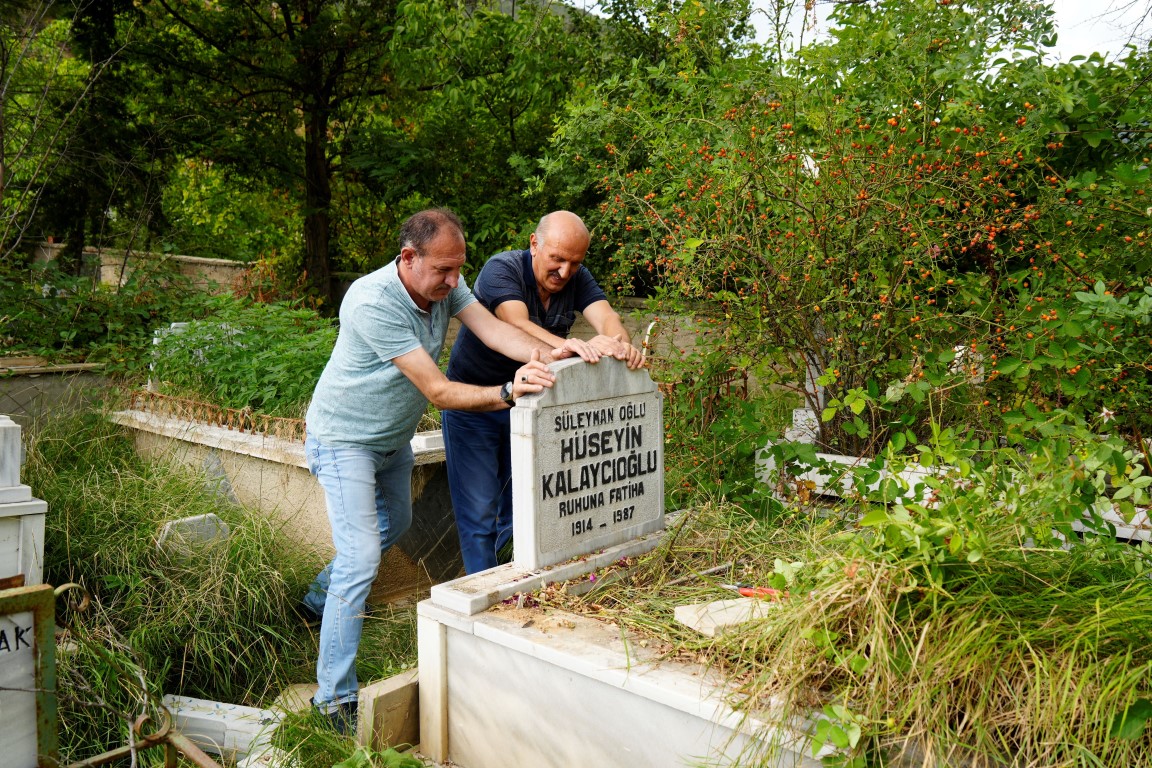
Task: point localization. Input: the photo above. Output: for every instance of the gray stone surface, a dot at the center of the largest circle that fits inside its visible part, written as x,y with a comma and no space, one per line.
587,462
189,532
29,397
9,453
17,683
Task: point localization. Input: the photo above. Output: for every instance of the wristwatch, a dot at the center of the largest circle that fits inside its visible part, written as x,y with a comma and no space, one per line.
506,395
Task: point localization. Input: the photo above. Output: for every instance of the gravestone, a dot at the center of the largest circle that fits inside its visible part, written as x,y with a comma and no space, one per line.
587,462
27,678
21,516
17,689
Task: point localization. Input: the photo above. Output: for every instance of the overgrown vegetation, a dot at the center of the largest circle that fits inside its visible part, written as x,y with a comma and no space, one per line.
921,228
262,357
217,621
63,318
956,629
949,211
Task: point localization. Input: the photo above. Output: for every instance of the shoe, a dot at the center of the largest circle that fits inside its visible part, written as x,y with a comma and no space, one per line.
311,619
343,718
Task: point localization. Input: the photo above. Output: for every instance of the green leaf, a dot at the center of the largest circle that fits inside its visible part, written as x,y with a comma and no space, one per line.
1129,724
1007,365
1096,137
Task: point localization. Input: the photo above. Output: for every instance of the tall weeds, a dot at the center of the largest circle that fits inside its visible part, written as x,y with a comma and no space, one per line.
1028,657
214,622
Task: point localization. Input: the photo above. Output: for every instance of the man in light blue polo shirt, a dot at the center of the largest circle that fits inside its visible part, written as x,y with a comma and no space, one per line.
364,412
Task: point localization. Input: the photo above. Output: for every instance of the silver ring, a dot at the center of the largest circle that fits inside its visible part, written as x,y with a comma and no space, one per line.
524,379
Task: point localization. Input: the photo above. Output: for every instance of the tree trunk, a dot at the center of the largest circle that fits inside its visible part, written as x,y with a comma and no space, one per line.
317,202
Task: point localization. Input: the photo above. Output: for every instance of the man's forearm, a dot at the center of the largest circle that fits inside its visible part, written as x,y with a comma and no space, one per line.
518,345
456,396
503,337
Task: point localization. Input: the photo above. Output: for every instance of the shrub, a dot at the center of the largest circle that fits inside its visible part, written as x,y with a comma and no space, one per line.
67,318
263,357
913,229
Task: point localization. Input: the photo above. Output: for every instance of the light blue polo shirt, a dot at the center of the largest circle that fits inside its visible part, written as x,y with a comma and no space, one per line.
362,398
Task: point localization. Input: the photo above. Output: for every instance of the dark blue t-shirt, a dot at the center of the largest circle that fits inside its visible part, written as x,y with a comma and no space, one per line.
508,277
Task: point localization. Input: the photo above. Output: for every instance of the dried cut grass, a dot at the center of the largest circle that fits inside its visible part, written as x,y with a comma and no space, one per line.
1029,658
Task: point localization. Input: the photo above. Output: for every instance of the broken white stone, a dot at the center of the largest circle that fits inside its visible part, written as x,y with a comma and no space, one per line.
719,616
189,531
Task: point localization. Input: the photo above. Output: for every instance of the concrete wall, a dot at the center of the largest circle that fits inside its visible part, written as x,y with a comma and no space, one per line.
31,389
117,265
209,275
269,474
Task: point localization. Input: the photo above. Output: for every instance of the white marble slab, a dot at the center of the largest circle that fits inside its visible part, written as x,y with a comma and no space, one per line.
15,493
548,688
188,532
425,449
22,540
837,479
719,616
231,730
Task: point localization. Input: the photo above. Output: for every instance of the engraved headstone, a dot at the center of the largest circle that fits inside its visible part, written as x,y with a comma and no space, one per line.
587,462
17,690
27,678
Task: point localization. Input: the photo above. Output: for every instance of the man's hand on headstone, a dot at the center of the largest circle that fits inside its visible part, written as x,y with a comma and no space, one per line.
586,351
616,347
532,377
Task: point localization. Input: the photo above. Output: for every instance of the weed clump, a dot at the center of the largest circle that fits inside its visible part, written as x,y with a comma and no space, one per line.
1027,656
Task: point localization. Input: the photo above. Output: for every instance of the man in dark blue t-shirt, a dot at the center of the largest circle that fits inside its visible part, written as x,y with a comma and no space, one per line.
539,291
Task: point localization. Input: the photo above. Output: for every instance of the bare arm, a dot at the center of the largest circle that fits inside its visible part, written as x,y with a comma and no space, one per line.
423,372
516,343
515,313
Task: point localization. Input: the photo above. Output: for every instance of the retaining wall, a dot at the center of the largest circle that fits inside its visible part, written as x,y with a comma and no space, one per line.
269,474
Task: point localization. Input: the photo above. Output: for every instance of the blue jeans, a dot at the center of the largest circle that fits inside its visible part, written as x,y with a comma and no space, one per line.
369,498
479,456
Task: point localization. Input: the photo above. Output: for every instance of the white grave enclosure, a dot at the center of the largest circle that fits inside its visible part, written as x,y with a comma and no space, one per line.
21,516
504,684
587,462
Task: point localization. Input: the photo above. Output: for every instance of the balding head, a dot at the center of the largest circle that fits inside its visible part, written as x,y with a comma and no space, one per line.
558,247
563,226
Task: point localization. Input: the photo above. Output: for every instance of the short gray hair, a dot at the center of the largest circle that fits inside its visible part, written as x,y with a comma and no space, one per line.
421,228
